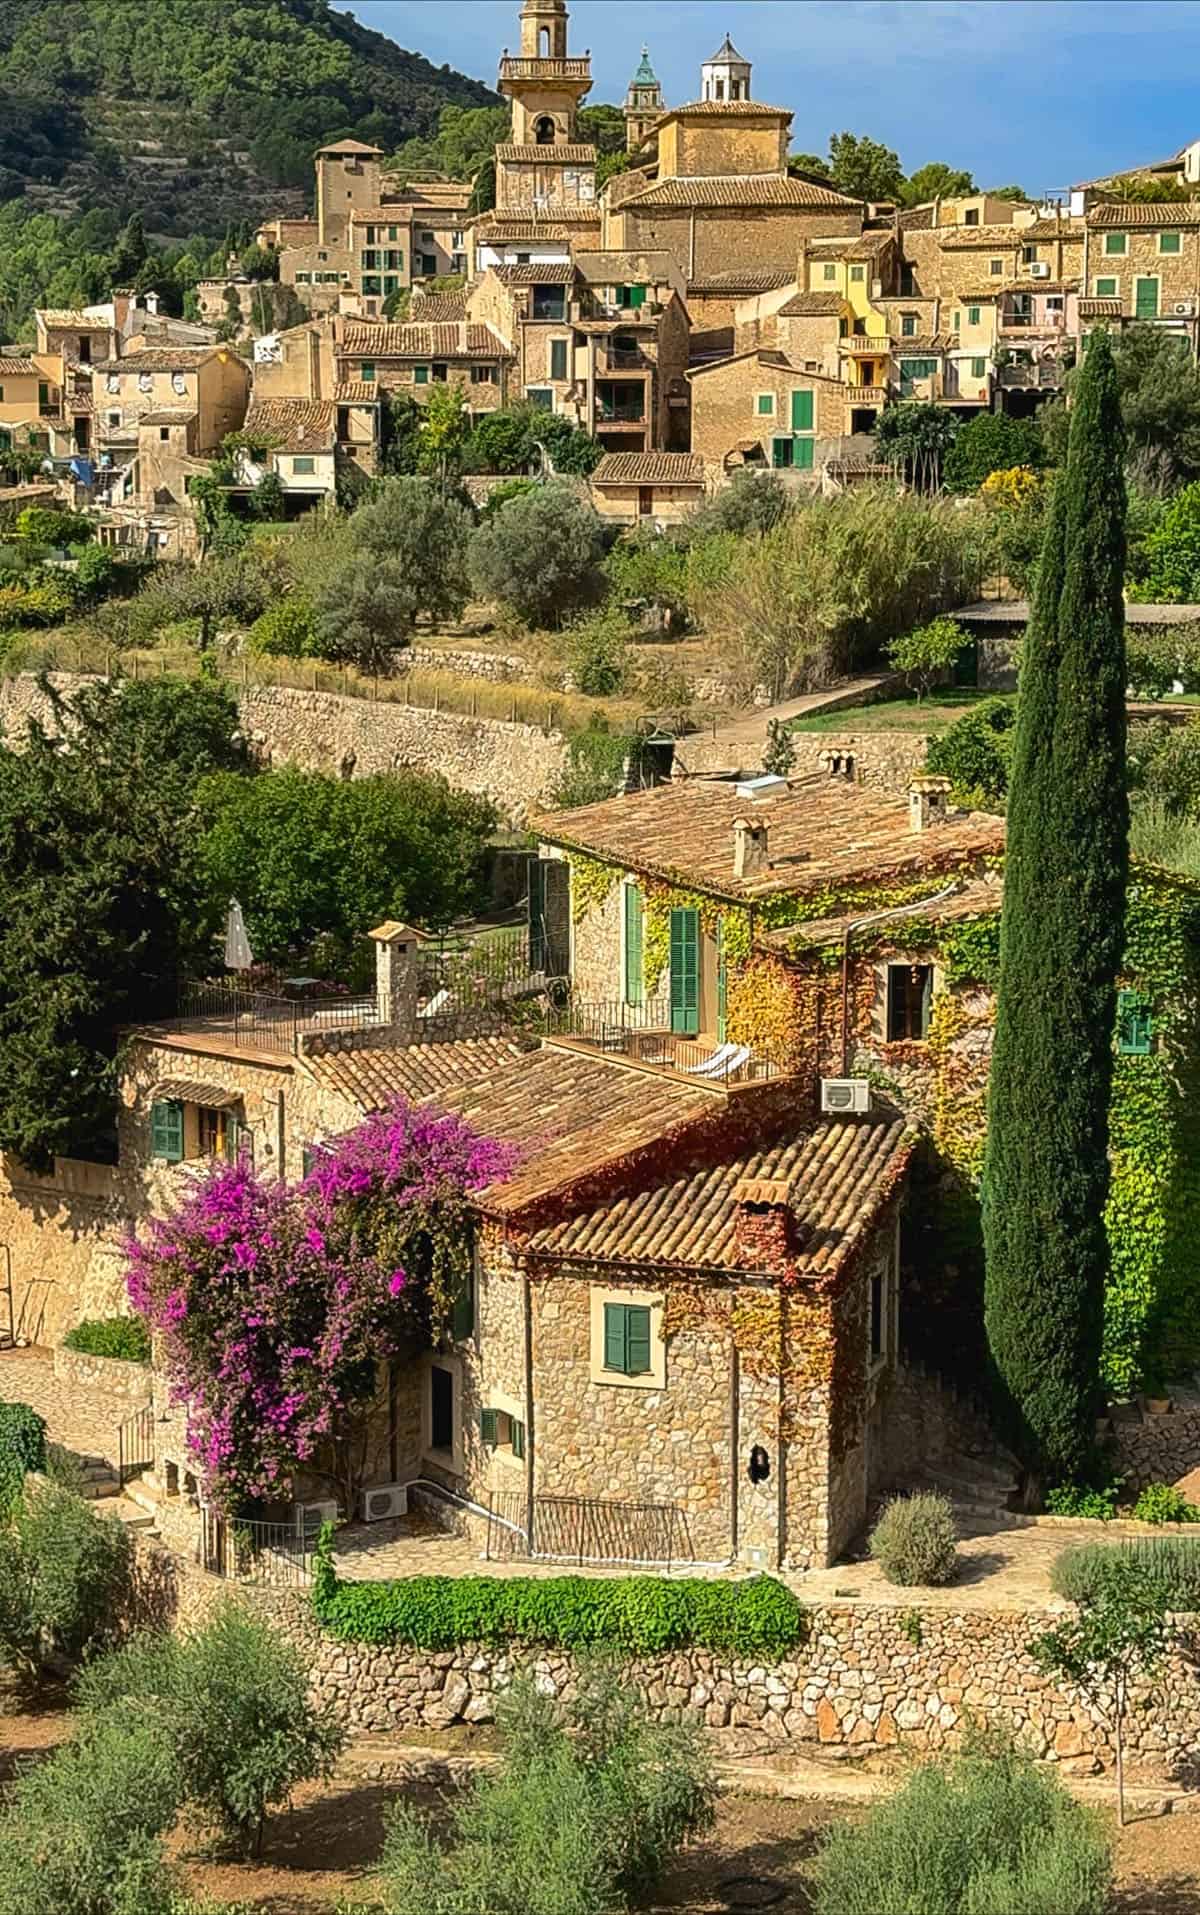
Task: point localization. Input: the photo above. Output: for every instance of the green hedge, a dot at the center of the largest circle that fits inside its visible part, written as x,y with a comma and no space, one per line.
22,1448
126,1338
641,1615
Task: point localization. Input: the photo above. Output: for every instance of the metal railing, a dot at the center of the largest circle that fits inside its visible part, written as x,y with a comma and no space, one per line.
135,1444
626,412
459,984
638,1031
1019,378
241,1550
585,1529
259,1020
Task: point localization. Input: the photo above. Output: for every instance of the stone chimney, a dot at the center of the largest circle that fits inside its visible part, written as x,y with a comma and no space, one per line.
396,977
123,303
152,303
750,847
928,802
764,1224
462,335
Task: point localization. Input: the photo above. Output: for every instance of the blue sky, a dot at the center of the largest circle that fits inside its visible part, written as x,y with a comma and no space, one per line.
1041,92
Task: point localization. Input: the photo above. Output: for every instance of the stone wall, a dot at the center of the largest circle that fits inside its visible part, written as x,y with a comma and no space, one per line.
500,668
868,1678
1156,1449
515,765
111,1375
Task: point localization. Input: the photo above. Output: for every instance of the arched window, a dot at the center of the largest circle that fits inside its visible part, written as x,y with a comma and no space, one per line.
544,130
543,43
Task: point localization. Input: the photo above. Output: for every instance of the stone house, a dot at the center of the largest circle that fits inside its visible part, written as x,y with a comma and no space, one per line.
297,441
1146,256
762,408
31,399
545,166
413,357
656,488
209,384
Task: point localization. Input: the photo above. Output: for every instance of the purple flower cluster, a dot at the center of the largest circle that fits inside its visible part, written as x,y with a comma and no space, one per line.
274,1302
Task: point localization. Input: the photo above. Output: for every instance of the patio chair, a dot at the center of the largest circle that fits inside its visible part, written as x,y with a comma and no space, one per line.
725,1061
435,1005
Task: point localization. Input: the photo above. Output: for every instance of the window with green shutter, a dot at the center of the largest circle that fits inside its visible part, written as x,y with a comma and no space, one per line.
802,411
558,358
908,325
635,983
516,1435
420,375
858,274
1114,243
781,452
1170,242
627,1338
1106,288
1135,1026
166,1129
366,371
764,404
685,971
1145,298
489,1428
972,315
978,368
722,984
462,1318
803,450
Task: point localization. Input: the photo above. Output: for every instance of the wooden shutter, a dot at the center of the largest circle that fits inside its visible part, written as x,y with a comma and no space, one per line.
614,1336
488,1434
166,1130
558,358
1145,303
1135,1026
556,906
516,1432
537,914
637,1339
781,452
805,449
722,983
635,989
802,412
685,972
637,296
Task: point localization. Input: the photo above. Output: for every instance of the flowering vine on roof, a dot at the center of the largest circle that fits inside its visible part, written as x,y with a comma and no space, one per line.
275,1302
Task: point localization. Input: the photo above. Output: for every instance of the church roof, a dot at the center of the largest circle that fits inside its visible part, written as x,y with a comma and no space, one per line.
645,75
726,52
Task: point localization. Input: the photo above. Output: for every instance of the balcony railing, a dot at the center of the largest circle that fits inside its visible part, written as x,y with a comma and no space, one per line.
261,1021
1045,377
625,358
625,412
639,1033
512,67
277,1555
585,1529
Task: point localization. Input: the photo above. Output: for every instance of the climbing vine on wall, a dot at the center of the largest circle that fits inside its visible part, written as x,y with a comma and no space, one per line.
591,882
766,1007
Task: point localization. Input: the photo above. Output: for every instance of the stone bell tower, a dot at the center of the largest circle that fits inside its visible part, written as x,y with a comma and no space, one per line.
544,163
644,103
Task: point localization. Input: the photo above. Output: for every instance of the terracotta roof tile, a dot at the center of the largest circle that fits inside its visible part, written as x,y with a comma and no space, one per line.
978,898
412,340
371,1077
294,425
554,272
190,1090
165,359
821,832
567,155
744,279
65,316
438,309
834,1179
812,306
18,368
649,468
168,416
1053,229
924,345
865,246
356,392
349,146
957,239
1146,213
748,189
727,110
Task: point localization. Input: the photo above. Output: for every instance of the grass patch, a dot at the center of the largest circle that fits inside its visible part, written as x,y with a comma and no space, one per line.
896,714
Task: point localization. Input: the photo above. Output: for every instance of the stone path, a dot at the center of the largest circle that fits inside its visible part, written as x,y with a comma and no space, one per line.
83,1421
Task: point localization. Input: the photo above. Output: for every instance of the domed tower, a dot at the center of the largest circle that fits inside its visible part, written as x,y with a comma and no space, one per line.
544,162
726,76
644,103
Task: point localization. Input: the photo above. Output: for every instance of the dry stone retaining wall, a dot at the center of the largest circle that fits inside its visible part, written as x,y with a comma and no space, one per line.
113,1376
1158,1449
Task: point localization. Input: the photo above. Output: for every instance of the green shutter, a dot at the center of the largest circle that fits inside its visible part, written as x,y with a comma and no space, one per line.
978,368
367,371
765,405
1135,1026
1106,287
781,452
166,1130
1145,299
685,972
802,411
558,358
637,1339
463,1319
803,458
722,983
516,1430
421,375
537,914
1114,243
637,296
1169,242
614,1336
972,315
488,1433
635,988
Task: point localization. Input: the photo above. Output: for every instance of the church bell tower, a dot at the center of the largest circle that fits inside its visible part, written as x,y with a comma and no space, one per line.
544,161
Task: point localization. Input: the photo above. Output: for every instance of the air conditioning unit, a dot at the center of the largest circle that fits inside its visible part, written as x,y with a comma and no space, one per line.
310,1516
845,1096
383,1501
1038,269
1184,308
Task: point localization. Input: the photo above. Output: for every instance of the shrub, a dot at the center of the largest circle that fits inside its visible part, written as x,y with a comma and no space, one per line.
991,442
975,753
47,525
914,1541
1163,1503
1157,657
540,555
22,1448
596,757
1170,554
1083,1572
233,1702
285,630
986,1833
1164,762
924,654
585,1810
96,570
639,1614
82,1832
66,1581
1098,1501
597,650
126,1338
502,493
752,502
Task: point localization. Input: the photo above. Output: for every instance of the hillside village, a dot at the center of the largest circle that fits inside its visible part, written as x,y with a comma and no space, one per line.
577,1068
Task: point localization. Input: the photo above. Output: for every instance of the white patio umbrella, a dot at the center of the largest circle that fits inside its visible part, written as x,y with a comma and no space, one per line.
238,955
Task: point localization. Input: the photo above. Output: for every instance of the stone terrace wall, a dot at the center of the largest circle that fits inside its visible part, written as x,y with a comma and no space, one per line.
112,1376
869,1678
515,765
1158,1449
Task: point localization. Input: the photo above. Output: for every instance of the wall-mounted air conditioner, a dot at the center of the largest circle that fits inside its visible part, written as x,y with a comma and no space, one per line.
845,1096
1038,269
383,1501
1184,308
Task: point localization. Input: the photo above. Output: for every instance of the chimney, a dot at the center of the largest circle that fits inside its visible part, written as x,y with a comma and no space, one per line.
764,1224
123,302
396,977
152,303
750,847
928,802
462,335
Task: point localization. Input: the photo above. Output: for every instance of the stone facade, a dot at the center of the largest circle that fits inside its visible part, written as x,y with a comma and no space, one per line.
1155,1449
109,1375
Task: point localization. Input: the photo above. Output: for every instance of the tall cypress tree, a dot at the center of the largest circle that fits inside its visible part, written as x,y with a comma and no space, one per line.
1046,1169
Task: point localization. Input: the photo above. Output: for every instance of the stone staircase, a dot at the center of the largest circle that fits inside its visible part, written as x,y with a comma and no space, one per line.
981,1488
99,1478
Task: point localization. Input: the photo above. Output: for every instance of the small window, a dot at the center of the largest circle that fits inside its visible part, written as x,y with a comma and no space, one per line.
218,1133
1029,254
829,271
112,418
145,382
166,1130
483,375
972,315
1135,1026
178,383
971,216
764,404
439,375
164,432
1106,287
878,1296
558,358
540,396
441,1408
995,267
908,325
393,232
1115,243
627,1338
978,368
858,273
113,382
909,994
1170,242
366,371
420,375
303,466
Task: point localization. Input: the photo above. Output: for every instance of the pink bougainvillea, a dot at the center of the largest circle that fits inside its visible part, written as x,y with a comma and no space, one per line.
274,1302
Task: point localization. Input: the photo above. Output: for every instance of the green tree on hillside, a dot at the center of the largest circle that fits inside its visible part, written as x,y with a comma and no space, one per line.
407,559
1046,1169
936,181
864,168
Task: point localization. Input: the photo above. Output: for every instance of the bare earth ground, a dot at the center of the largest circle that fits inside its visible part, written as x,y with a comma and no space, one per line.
321,1848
